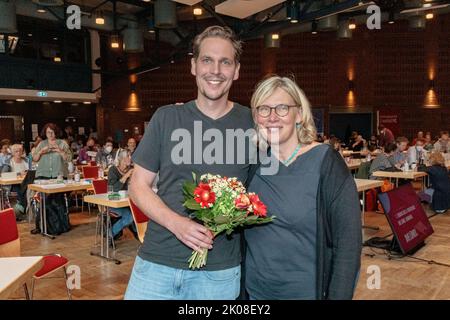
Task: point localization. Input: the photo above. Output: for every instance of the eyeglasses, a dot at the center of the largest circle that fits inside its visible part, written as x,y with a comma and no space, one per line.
281,110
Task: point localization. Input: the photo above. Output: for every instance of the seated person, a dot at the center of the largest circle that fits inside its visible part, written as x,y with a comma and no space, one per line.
429,143
384,161
118,178
88,153
105,155
417,154
440,183
443,144
19,165
373,142
5,153
400,156
358,145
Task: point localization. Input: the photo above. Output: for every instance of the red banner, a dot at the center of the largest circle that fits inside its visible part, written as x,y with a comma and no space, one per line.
406,216
390,120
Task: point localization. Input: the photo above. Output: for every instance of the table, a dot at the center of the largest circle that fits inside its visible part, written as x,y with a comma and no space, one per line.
362,185
51,188
7,182
15,271
102,200
409,175
353,164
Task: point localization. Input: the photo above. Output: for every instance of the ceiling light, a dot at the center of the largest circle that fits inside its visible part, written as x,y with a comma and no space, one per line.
292,11
57,101
20,100
57,59
99,19
352,24
427,5
314,27
30,34
391,17
86,102
429,16
115,41
275,36
41,10
198,11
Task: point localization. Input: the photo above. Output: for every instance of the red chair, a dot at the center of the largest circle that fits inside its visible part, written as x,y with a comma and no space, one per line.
90,172
100,186
140,219
10,247
93,163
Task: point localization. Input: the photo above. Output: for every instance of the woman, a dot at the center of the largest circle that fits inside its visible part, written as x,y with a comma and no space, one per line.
52,156
19,164
440,183
312,248
89,152
118,178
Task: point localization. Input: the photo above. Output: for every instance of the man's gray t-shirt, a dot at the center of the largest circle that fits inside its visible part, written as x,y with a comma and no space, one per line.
176,160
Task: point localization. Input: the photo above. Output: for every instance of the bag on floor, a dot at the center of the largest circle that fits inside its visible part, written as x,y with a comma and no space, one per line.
57,216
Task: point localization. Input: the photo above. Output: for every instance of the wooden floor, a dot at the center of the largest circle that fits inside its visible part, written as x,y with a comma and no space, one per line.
404,278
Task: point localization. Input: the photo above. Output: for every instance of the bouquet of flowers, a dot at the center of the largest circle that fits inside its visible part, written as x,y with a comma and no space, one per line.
222,204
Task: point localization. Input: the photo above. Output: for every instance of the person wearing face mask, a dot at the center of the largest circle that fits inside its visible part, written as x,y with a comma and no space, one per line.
5,152
89,152
416,154
105,155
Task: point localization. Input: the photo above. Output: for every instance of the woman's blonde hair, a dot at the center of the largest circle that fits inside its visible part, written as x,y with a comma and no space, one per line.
436,158
306,132
16,147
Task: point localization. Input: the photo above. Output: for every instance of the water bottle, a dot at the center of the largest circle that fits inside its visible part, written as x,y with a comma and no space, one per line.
70,167
405,166
100,172
77,175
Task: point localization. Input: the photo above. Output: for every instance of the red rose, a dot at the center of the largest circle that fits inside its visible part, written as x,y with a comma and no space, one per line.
259,208
204,195
242,201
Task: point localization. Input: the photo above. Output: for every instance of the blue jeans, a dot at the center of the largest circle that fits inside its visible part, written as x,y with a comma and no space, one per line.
125,220
151,281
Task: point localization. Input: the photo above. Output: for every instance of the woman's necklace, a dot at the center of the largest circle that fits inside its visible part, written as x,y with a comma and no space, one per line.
294,153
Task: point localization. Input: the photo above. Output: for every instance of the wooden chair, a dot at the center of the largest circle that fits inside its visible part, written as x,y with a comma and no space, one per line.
140,219
10,247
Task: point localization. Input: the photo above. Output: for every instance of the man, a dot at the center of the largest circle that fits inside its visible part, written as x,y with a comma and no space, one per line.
443,144
161,269
416,153
131,145
105,155
386,136
419,136
400,156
